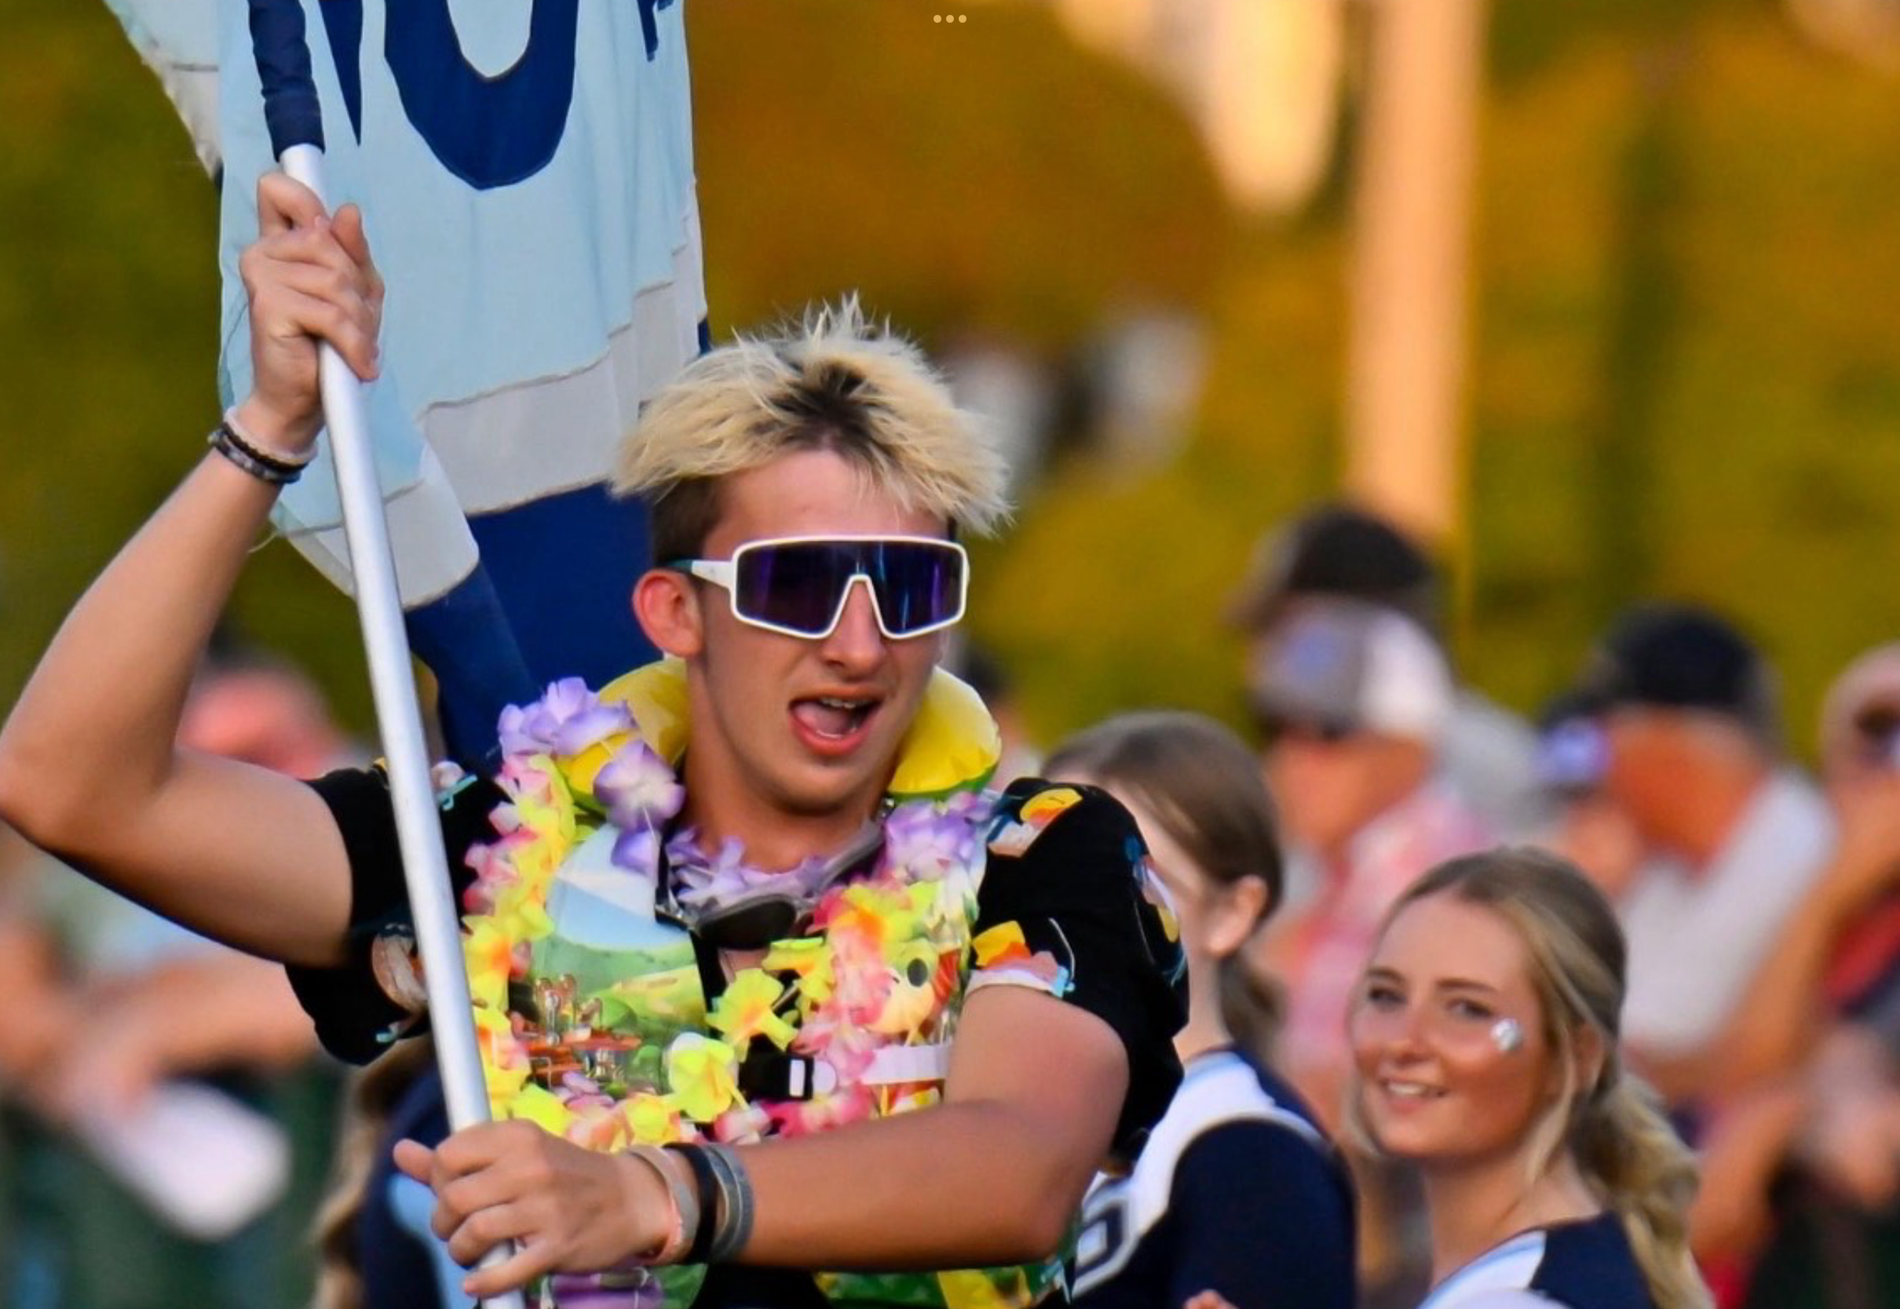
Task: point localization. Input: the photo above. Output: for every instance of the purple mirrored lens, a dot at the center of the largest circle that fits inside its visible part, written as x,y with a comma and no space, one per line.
800,585
918,585
793,586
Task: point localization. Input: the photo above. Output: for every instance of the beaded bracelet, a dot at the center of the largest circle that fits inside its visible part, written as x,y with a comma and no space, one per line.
264,465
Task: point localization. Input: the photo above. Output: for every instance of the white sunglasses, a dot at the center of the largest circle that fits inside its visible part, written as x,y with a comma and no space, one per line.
799,585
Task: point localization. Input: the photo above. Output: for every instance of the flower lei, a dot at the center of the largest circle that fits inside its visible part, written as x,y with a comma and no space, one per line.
886,953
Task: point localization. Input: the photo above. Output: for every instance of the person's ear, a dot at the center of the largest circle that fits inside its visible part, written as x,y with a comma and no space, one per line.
666,603
1590,1056
1235,915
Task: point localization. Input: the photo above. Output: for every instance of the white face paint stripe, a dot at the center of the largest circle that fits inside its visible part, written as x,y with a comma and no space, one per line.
1507,1034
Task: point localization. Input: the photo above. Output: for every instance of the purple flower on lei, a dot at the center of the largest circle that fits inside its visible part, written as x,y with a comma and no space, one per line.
726,875
638,788
640,794
578,1092
929,840
565,721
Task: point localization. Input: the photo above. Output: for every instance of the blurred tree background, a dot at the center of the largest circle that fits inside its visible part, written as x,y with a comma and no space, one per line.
1683,380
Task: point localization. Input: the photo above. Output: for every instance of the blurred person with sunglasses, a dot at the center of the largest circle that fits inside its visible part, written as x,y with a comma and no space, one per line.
1347,552
1352,701
767,983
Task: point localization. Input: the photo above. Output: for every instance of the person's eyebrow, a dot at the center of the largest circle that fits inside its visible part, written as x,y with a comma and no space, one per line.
1465,984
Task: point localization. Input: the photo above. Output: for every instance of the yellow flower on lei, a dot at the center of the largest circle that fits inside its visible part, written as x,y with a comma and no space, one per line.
543,1108
747,1008
976,1288
876,917
521,912
488,951
810,961
953,743
703,1076
651,1119
552,822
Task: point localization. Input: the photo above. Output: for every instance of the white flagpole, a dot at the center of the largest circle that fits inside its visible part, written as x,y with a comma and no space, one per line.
399,720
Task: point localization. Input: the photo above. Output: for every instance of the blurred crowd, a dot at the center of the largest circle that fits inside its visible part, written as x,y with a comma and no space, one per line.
166,1124
1760,902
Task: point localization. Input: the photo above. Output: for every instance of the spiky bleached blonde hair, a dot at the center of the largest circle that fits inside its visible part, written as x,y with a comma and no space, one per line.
833,381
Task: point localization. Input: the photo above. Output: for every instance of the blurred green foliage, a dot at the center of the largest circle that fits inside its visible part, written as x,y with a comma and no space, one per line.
1684,382
108,340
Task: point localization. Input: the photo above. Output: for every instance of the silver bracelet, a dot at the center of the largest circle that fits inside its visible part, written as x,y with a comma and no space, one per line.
685,1202
736,1204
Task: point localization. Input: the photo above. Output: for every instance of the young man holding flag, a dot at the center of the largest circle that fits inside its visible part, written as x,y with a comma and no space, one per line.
763,981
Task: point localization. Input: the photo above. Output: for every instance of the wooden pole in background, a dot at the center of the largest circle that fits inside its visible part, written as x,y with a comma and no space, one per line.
1410,264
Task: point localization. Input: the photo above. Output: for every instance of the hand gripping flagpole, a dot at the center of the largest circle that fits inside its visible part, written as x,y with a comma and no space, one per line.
294,119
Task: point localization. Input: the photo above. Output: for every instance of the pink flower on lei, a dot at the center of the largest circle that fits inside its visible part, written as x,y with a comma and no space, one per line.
597,1123
848,1104
504,1059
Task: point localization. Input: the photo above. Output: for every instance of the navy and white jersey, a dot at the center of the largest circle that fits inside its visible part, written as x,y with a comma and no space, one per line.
1236,1191
1587,1264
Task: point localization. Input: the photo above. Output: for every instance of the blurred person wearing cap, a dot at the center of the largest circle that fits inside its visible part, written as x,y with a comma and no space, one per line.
1732,835
1352,700
1341,551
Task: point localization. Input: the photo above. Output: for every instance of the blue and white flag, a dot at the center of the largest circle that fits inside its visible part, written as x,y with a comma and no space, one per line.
525,171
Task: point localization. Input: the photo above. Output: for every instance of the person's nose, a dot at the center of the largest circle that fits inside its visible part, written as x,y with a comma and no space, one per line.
857,644
1396,1034
1410,1037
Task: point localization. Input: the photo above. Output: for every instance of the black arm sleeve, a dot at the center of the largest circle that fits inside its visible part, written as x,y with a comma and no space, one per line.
1260,1216
1078,891
353,1015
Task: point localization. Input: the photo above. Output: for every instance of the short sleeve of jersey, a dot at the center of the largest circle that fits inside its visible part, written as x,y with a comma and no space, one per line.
353,1013
1068,906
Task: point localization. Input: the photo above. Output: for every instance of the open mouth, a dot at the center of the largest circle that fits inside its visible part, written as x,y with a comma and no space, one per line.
1400,1089
834,720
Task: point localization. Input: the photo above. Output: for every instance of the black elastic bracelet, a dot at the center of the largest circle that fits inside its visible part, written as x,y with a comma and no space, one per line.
708,1200
266,467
